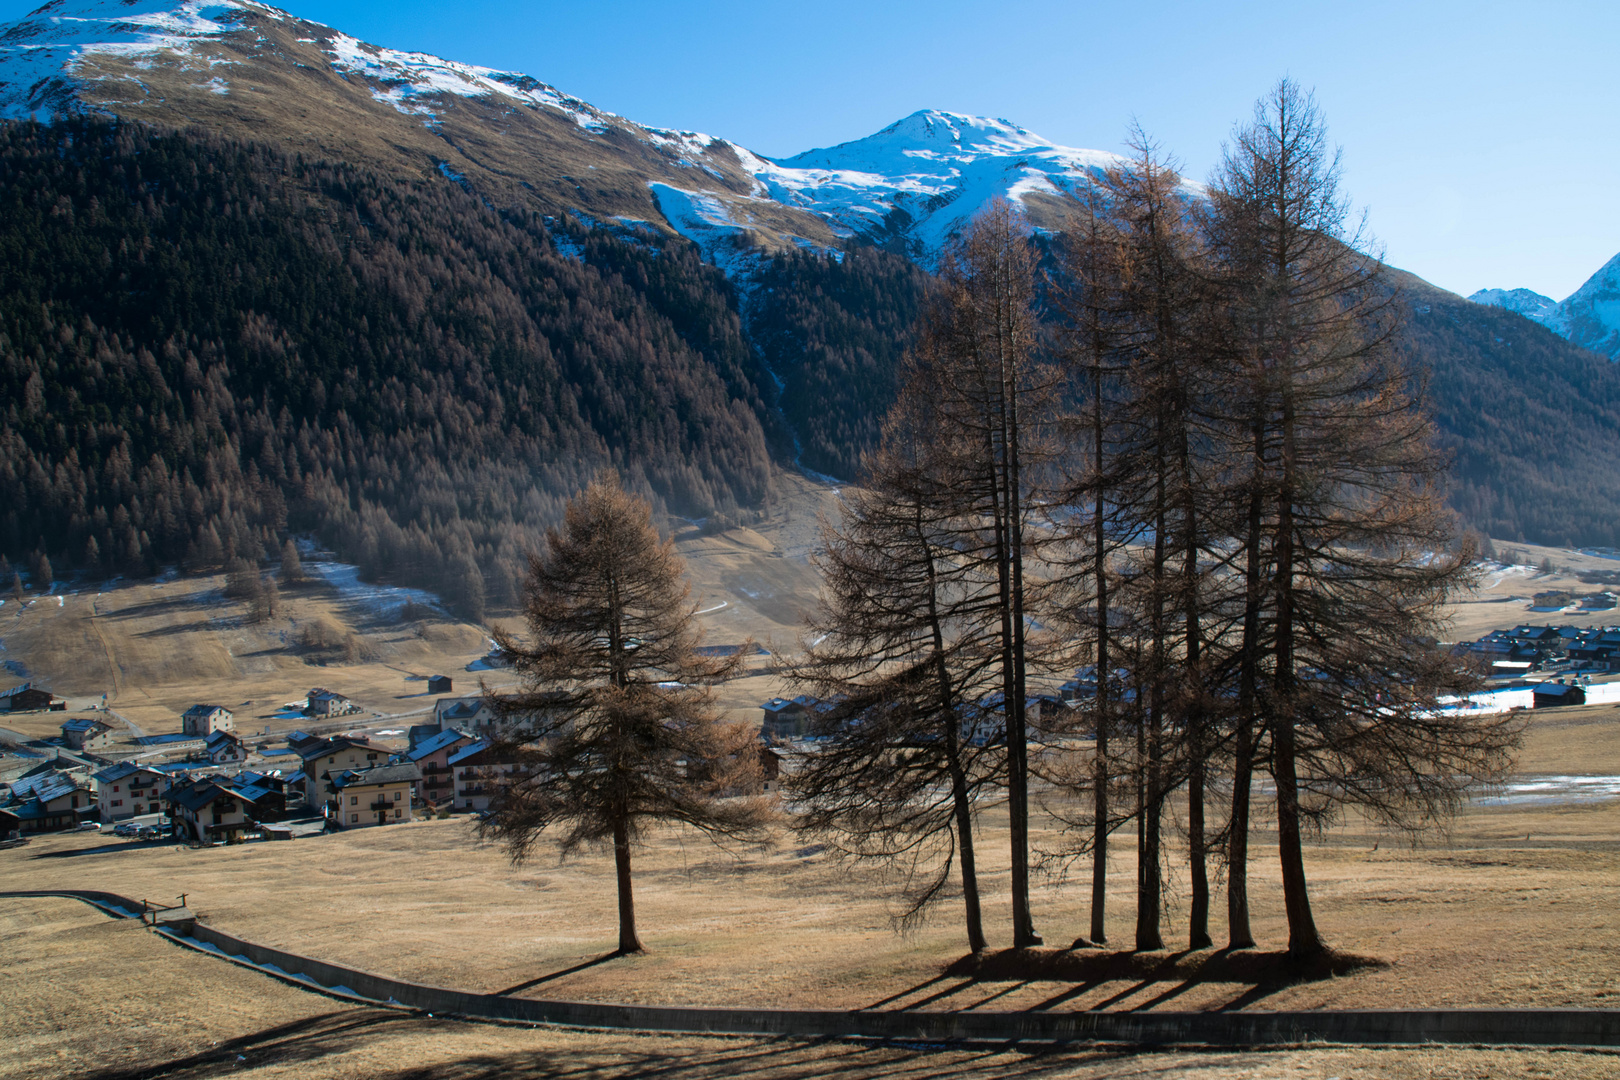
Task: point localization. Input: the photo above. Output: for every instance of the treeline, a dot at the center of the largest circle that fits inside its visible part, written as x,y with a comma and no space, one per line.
1193,474
204,344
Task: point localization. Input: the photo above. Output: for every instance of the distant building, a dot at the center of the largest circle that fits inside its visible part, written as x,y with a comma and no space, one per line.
224,748
206,810
10,826
50,801
480,774
328,703
432,756
327,757
204,720
376,796
85,733
24,698
465,713
439,684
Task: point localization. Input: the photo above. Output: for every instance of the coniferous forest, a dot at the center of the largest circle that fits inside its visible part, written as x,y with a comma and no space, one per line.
205,344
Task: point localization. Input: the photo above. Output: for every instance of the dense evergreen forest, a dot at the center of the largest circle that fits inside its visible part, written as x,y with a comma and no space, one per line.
1532,421
205,344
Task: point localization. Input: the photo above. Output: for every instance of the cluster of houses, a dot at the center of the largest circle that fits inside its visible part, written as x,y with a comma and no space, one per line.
1526,648
346,781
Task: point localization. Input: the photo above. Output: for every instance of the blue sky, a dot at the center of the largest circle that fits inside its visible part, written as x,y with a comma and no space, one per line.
1482,137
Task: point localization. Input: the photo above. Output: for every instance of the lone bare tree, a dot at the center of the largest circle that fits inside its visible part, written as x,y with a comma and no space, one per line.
615,724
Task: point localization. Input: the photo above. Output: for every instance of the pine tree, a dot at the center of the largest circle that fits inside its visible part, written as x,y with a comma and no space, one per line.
615,723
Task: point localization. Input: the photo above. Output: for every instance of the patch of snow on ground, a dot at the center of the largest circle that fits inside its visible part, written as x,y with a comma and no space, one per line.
1552,791
376,599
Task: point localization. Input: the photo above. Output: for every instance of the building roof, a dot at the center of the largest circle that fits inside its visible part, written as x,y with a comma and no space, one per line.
204,710
44,786
436,743
325,695
196,796
467,754
15,690
323,747
380,774
121,770
251,792
215,738
83,723
460,708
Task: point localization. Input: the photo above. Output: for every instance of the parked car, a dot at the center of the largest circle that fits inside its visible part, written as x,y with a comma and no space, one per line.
88,826
149,832
125,828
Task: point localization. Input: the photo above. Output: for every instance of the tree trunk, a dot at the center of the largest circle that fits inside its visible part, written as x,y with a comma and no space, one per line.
1303,940
1198,915
1099,827
964,836
628,941
1238,933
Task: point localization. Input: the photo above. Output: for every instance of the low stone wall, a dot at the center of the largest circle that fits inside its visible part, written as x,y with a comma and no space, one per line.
1542,1027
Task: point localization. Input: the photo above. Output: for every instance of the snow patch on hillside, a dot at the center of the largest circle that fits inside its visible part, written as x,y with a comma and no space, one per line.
43,51
404,78
1526,302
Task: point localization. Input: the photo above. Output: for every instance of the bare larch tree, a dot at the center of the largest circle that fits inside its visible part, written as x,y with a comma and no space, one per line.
615,724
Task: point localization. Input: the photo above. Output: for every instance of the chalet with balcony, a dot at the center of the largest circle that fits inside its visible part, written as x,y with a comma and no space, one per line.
327,757
480,774
224,748
432,756
205,810
50,801
129,790
376,796
25,698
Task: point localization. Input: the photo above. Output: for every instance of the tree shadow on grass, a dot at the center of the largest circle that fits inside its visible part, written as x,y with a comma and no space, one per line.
316,1046
1261,974
604,958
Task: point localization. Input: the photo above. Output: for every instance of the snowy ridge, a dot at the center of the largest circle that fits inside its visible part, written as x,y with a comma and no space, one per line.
911,186
41,53
1526,302
1589,317
406,78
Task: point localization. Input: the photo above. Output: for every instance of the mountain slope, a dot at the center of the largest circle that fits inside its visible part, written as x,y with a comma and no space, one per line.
204,343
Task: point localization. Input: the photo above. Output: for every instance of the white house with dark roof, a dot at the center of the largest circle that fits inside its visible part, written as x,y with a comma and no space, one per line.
87,733
224,748
128,790
328,703
204,720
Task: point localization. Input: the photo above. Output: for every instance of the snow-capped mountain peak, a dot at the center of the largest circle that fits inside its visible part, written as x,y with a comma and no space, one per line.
1526,302
245,68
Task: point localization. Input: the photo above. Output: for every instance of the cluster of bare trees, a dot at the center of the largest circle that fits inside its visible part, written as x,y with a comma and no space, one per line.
1183,458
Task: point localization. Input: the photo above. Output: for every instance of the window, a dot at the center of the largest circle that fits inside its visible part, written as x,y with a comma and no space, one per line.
115,787
354,818
118,802
396,811
331,761
396,796
354,800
